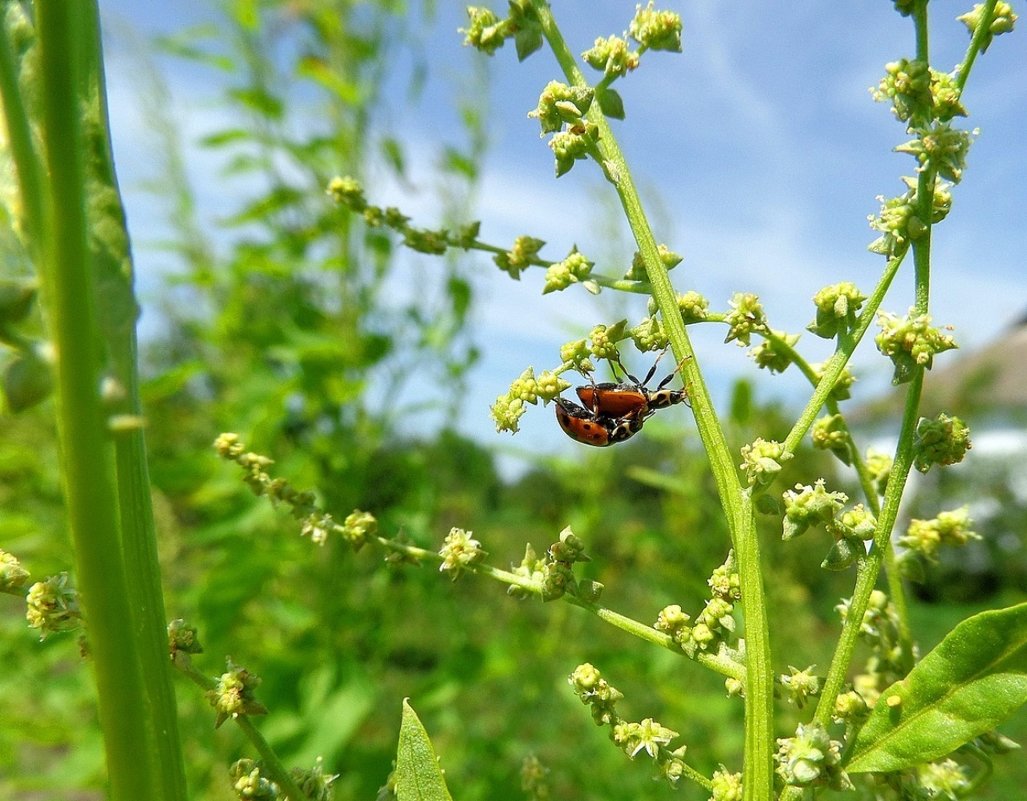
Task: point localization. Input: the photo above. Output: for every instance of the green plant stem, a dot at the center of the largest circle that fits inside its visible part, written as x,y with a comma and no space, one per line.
835,365
271,762
23,151
980,34
869,566
70,294
759,736
720,662
113,262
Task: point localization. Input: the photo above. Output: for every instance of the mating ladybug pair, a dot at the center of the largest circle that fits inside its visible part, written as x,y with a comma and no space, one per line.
612,412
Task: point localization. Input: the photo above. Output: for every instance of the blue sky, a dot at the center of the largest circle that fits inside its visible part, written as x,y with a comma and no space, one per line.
759,151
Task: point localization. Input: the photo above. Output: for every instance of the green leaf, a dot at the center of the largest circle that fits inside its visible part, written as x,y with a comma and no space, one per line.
973,680
611,104
418,775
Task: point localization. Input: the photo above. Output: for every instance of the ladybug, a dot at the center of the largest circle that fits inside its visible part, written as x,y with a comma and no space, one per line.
634,399
589,428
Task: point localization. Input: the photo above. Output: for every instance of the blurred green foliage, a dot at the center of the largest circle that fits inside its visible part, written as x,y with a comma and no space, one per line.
295,337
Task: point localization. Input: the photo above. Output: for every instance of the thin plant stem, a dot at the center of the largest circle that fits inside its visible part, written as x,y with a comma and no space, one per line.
736,502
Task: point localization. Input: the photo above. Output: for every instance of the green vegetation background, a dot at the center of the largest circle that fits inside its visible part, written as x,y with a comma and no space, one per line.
292,338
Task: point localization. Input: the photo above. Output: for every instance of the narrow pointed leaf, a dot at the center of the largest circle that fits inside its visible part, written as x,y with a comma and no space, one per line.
418,775
971,682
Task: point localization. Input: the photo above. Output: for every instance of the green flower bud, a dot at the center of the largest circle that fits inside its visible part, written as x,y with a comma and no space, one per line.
724,582
811,757
519,258
910,342
941,148
424,240
807,506
358,528
671,620
317,525
649,335
347,192
577,353
856,523
233,694
745,317
486,32
726,786
656,30
549,385
907,84
604,340
459,551
183,639
52,606
13,577
945,779
925,537
571,270
837,307
612,56
879,466
572,145
568,549
668,257
775,354
829,433
944,440
559,104
800,685
849,707
314,783
843,554
693,307
762,460
842,385
248,783
1002,21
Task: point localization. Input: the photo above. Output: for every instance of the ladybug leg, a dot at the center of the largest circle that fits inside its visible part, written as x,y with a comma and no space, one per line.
667,380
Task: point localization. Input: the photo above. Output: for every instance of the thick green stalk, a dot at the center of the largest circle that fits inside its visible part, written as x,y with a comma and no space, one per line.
113,264
70,296
759,736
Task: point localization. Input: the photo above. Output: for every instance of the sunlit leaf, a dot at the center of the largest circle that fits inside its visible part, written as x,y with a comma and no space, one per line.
418,775
973,680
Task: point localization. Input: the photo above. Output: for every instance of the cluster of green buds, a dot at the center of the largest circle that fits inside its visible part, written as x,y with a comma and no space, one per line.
520,257
800,685
715,624
534,779
830,433
745,318
554,572
693,306
637,271
941,149
911,342
183,640
807,506
899,221
314,522
52,606
656,30
726,786
314,783
811,759
879,628
562,105
762,460
249,782
487,32
923,538
459,552
776,352
919,94
842,385
573,269
850,708
837,308
647,735
527,388
233,694
945,779
13,577
348,192
1002,21
650,335
879,465
359,528
943,440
